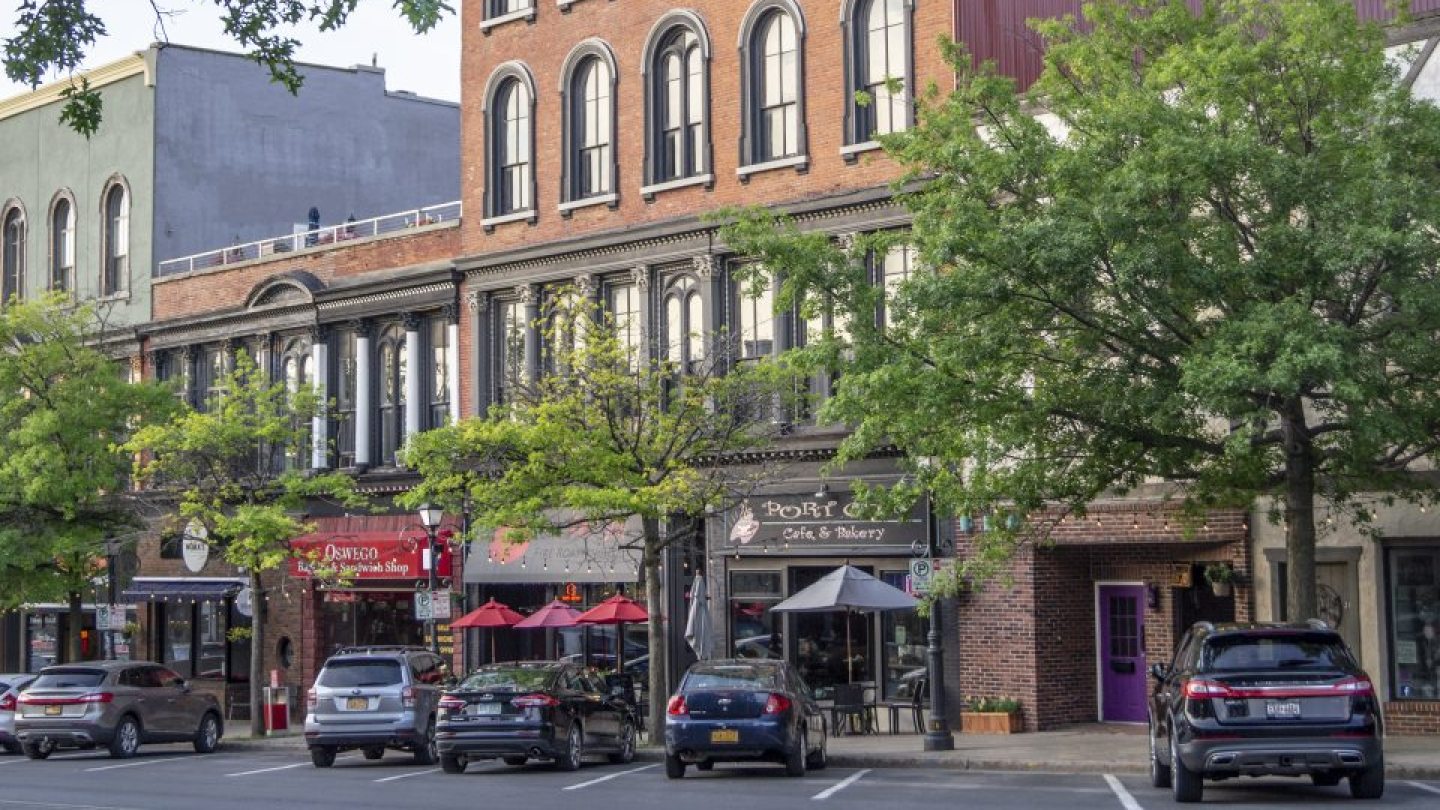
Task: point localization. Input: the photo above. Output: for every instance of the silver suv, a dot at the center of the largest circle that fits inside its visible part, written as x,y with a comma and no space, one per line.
374,698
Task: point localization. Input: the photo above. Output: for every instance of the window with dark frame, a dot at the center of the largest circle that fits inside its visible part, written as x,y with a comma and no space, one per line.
440,371
678,107
590,129
777,87
62,245
295,370
510,328
390,404
345,397
116,243
684,314
878,56
510,138
499,8
12,260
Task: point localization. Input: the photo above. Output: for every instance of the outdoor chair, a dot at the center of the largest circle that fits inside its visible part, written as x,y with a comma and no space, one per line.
849,707
918,703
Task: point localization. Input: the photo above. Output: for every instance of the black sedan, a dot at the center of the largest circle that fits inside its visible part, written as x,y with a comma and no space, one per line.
743,709
526,710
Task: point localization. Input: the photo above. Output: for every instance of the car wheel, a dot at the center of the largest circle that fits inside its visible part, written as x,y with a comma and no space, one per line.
795,758
322,756
12,748
819,759
674,766
1327,779
569,759
626,754
1369,783
207,737
427,753
1185,784
452,763
513,759
40,750
1159,765
373,752
127,738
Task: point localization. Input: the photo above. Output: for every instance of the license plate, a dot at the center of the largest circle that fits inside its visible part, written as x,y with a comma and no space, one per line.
357,704
725,735
1282,709
485,708
51,711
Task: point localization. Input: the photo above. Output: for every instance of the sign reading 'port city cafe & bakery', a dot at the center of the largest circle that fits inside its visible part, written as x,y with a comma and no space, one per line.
805,524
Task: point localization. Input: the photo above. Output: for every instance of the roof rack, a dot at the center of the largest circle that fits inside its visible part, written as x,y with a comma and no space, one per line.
379,648
1318,624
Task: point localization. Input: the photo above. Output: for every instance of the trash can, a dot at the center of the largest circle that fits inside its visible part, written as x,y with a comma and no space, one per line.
277,709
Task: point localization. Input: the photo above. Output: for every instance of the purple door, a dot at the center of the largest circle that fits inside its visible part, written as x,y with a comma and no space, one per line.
1122,653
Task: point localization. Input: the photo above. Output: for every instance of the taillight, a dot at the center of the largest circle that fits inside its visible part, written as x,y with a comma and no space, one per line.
777,704
452,704
676,706
312,699
535,701
407,697
1198,688
7,703
96,697
1359,687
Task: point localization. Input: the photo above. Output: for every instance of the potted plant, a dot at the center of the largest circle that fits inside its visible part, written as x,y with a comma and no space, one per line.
1221,577
991,715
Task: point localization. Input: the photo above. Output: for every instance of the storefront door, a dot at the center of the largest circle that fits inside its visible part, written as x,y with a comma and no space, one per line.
1121,650
358,618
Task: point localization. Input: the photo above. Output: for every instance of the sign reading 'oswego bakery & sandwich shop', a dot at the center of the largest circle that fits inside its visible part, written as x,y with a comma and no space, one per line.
363,555
806,524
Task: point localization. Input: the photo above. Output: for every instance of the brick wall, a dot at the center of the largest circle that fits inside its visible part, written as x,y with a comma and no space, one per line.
1412,717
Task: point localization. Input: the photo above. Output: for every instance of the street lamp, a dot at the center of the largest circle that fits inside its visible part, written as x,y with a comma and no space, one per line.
112,561
938,736
430,517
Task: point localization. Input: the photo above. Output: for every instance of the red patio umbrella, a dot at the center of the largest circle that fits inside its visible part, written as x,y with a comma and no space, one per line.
555,614
492,614
617,610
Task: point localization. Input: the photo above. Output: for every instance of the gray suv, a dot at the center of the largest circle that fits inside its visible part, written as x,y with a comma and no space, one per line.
114,704
374,698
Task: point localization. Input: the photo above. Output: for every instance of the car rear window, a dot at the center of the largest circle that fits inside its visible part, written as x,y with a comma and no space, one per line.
1290,651
4,687
68,678
361,673
509,678
737,677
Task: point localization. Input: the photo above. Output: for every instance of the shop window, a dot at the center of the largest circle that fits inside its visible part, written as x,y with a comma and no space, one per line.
1414,578
178,641
755,632
902,636
194,639
829,648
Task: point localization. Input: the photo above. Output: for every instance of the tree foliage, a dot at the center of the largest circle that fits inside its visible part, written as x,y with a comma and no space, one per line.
1202,248
603,436
53,37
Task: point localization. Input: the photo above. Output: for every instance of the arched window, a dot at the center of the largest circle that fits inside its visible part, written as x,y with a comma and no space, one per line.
510,328
295,368
440,372
684,325
115,253
346,396
511,180
678,143
756,320
771,50
590,127
390,405
62,245
12,254
878,65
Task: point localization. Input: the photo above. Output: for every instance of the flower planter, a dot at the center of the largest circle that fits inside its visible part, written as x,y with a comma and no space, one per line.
1220,588
992,722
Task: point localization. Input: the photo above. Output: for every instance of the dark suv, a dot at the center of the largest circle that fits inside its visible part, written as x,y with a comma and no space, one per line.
1264,700
374,698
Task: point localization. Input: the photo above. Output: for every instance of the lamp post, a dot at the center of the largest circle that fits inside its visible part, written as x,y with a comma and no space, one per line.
937,731
112,561
430,517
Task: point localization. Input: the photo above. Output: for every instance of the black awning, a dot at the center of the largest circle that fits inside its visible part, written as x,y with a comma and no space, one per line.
156,590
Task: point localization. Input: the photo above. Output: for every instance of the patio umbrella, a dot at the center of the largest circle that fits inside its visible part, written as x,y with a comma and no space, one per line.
554,615
698,632
490,615
617,610
847,588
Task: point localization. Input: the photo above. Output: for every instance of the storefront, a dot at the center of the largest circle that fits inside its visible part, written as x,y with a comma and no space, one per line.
191,621
42,634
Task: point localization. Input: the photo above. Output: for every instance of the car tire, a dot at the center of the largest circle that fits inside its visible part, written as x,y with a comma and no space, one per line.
1159,765
373,752
452,763
1186,786
514,759
1369,783
426,753
207,737
569,759
322,756
706,765
127,738
38,750
795,759
674,766
12,748
626,754
820,759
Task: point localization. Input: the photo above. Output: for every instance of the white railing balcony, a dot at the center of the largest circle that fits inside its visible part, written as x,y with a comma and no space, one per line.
328,236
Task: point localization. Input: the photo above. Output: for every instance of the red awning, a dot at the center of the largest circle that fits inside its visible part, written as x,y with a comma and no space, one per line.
390,554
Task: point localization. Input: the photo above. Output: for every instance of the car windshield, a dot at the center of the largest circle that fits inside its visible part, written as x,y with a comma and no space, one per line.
736,677
361,672
1291,651
68,678
509,678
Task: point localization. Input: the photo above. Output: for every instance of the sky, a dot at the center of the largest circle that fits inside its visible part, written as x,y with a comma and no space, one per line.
427,65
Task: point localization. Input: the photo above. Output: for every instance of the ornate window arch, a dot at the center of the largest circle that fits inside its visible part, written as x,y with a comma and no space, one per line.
683,311
62,242
676,69
13,243
879,49
510,144
115,237
772,81
587,92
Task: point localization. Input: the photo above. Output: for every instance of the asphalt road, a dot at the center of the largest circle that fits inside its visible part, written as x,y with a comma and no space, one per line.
166,778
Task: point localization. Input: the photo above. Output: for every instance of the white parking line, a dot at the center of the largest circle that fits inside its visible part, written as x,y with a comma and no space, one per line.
406,775
608,777
1126,800
1430,788
33,804
268,770
839,786
138,764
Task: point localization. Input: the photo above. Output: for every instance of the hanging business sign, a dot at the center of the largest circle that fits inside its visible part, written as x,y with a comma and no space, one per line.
831,523
363,555
195,546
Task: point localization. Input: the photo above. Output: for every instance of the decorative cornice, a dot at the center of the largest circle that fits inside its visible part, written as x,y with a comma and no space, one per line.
119,70
389,295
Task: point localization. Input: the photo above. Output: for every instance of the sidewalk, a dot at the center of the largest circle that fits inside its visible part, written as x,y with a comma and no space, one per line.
1093,748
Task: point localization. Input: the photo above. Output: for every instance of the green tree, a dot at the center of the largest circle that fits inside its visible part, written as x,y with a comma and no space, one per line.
1211,261
53,37
235,467
602,437
65,407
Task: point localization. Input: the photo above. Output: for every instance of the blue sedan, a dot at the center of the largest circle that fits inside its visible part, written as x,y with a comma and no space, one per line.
743,709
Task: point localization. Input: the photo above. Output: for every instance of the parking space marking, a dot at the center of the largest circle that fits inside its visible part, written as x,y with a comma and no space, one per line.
608,777
406,775
67,806
268,770
139,764
1424,786
14,761
839,786
1126,800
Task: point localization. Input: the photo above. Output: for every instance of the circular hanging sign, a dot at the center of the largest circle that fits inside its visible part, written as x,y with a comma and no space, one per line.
193,546
242,602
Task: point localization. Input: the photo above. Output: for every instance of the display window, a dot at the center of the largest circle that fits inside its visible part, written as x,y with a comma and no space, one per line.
1413,575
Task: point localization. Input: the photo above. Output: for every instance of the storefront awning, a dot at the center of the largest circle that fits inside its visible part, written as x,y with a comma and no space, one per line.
146,589
582,553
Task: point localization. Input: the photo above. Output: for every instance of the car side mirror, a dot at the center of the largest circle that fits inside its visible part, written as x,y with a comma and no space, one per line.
1159,671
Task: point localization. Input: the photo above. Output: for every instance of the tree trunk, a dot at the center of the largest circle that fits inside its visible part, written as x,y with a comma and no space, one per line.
654,605
257,654
76,622
1299,512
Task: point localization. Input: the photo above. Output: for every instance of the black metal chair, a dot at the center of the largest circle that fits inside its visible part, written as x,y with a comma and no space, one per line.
849,707
919,701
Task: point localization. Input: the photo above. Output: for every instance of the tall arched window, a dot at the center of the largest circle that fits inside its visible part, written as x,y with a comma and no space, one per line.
62,245
115,277
771,57
678,145
390,405
12,254
590,129
295,368
346,396
511,179
878,65
510,328
684,325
